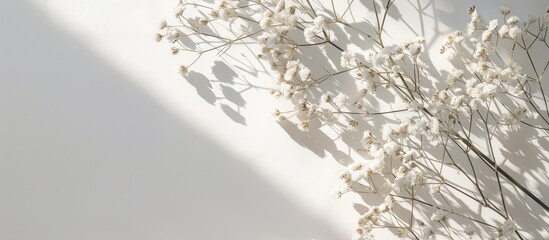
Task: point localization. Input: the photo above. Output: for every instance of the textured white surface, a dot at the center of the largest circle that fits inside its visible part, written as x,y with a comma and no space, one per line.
102,139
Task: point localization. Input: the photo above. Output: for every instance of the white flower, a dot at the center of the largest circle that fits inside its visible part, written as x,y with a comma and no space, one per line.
399,184
489,89
345,176
450,54
434,125
504,10
225,9
291,70
475,104
327,116
486,36
286,89
513,20
319,22
183,70
515,32
545,18
414,47
346,58
434,189
358,170
280,118
280,6
304,73
508,227
403,232
159,37
471,28
310,34
163,24
326,98
475,17
362,234
439,215
352,124
506,230
386,131
503,31
369,55
459,38
267,39
391,148
173,35
427,232
471,82
493,25
266,22
179,11
304,126
376,152
340,190
379,59
341,99
203,21
411,155
367,139
389,200
469,231
457,101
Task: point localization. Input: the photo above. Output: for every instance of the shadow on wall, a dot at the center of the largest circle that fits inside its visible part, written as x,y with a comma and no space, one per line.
432,13
84,154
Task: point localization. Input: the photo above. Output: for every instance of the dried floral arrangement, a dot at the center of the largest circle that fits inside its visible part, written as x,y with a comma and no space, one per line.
429,166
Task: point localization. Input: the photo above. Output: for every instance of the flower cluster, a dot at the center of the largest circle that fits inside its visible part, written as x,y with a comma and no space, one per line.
436,124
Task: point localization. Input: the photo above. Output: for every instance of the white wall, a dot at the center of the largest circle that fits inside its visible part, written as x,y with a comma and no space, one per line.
101,138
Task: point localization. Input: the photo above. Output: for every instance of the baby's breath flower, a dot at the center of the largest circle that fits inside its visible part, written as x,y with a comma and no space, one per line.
304,126
512,21
439,215
391,148
163,24
326,98
310,34
486,36
341,189
304,73
266,22
173,35
158,37
320,22
426,231
506,230
203,21
504,31
179,11
341,99
347,57
469,231
352,124
493,25
183,70
515,32
403,233
175,50
504,10
280,6
434,189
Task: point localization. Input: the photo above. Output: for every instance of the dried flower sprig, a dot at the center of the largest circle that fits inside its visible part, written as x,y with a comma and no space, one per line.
439,147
